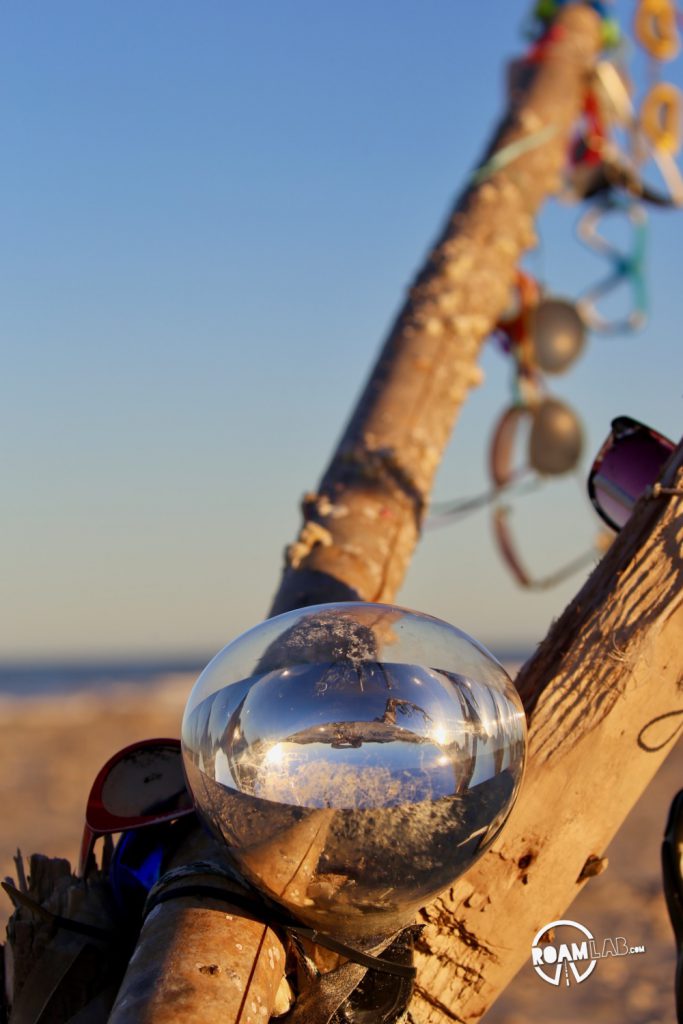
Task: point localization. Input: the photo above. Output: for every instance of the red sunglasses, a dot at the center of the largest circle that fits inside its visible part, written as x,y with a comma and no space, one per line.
144,784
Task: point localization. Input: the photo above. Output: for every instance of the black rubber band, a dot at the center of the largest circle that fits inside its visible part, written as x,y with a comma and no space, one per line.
91,930
275,916
67,923
373,963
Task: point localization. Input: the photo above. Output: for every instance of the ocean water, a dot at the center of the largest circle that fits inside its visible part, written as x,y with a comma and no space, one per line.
49,679
34,679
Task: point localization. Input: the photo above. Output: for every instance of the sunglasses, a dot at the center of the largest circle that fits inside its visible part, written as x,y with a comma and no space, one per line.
672,874
141,786
628,463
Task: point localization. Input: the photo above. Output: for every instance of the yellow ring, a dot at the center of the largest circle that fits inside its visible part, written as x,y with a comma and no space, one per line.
656,29
661,117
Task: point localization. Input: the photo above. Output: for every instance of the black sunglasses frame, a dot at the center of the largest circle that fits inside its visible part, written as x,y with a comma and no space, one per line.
622,427
672,854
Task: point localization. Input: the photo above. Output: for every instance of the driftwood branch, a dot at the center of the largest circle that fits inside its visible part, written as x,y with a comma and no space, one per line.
604,693
362,525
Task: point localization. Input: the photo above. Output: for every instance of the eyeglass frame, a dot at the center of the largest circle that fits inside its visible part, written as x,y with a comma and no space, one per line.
623,426
98,821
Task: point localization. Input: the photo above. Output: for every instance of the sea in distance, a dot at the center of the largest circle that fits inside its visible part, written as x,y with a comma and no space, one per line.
48,678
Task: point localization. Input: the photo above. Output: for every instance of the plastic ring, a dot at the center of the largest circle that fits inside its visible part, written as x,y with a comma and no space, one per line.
661,116
656,29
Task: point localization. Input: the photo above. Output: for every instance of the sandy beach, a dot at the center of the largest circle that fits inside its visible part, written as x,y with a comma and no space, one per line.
52,748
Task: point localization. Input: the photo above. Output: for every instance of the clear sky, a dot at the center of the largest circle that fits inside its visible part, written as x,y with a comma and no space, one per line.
210,213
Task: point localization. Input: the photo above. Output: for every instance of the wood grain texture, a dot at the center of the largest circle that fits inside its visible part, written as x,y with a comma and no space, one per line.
198,958
604,693
361,526
198,962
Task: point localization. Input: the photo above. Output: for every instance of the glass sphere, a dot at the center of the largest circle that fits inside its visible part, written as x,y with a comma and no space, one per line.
355,759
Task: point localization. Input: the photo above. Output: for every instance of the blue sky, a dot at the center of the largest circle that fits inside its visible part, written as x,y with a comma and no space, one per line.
210,213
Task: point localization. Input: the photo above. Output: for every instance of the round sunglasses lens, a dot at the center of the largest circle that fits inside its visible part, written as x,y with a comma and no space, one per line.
630,466
147,781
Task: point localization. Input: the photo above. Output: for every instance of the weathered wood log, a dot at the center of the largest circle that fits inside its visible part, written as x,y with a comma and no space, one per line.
53,970
195,956
604,693
180,972
361,527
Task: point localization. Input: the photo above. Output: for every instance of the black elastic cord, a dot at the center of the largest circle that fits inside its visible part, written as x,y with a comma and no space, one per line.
275,916
67,923
373,963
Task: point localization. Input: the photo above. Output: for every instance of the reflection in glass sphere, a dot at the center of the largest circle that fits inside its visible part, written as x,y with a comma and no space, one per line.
355,758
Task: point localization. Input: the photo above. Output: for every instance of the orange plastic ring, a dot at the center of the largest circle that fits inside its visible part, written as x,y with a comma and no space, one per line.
661,117
656,28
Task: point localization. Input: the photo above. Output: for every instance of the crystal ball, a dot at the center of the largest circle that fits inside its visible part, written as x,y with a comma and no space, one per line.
355,759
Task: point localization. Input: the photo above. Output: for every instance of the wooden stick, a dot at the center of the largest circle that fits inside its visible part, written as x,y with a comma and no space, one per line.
361,527
605,701
203,966
195,958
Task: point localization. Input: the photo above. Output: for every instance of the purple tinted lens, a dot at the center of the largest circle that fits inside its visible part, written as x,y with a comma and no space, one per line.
631,464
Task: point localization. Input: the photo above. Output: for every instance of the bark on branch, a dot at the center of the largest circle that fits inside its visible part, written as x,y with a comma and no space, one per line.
361,527
605,697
